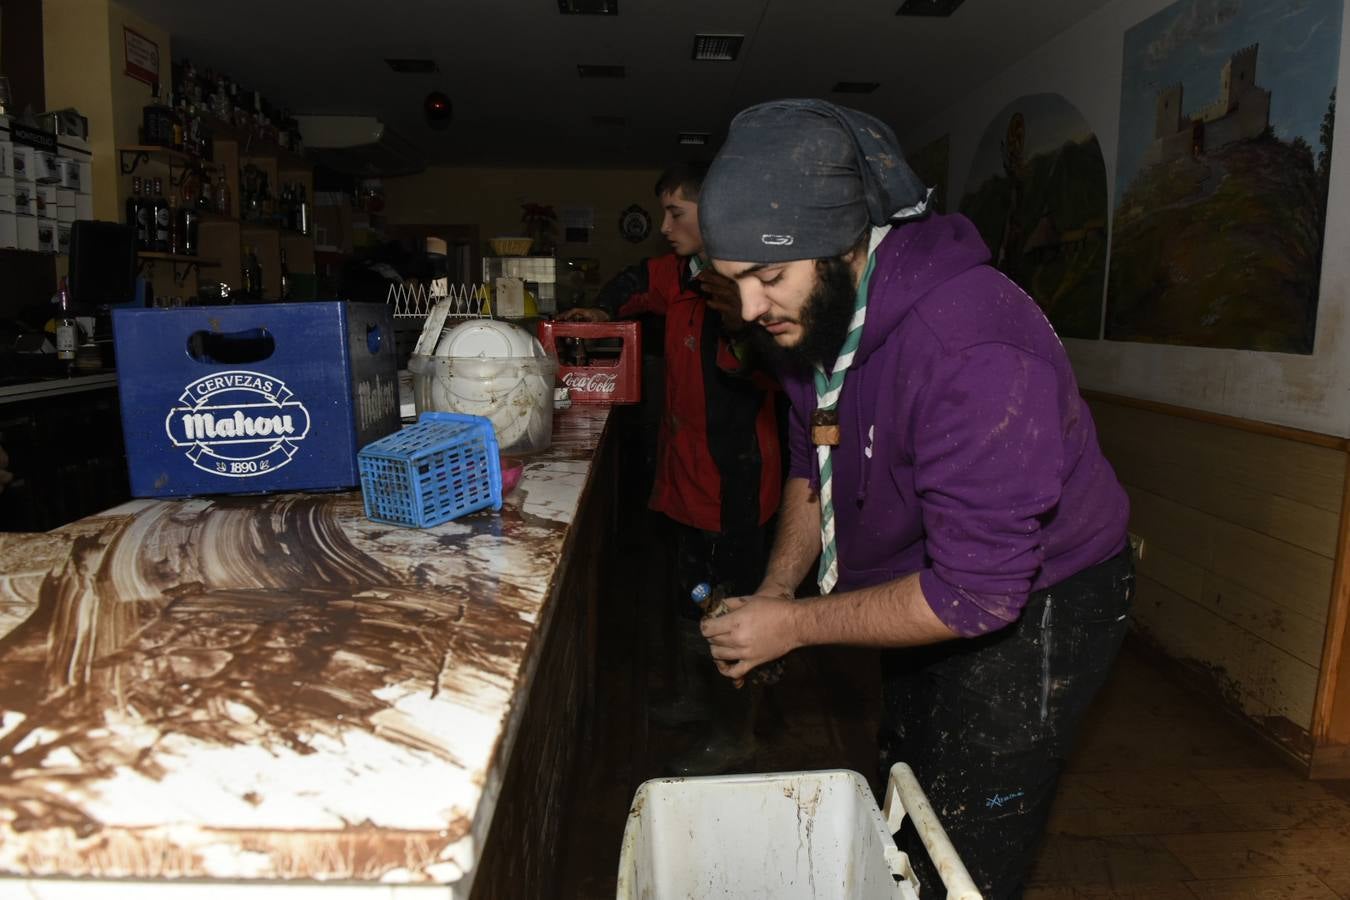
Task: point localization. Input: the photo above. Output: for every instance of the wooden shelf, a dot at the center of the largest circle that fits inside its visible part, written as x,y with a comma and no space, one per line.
142,153
175,258
215,218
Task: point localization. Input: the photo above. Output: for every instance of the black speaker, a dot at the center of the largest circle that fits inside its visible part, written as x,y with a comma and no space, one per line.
102,263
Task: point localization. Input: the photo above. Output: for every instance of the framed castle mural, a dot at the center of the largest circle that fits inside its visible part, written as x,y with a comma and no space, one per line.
1227,114
1037,193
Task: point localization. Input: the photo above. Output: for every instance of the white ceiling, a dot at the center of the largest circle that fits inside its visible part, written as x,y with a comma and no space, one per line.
509,66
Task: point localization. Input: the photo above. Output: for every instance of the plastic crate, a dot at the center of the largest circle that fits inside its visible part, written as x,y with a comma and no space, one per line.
442,467
602,380
785,835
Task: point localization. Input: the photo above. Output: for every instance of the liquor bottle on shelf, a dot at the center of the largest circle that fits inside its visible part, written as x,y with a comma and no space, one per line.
145,227
175,127
175,232
134,203
160,209
157,122
224,203
301,210
285,277
246,286
67,331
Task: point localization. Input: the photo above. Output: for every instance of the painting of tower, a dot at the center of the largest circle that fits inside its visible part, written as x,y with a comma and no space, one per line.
1241,113
1222,175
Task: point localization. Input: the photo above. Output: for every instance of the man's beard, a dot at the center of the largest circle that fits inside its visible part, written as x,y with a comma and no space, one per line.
824,321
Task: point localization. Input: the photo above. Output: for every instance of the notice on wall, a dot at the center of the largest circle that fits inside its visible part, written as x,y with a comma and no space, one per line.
142,56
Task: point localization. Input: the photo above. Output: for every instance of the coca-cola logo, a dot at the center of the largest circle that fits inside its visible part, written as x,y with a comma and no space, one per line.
591,382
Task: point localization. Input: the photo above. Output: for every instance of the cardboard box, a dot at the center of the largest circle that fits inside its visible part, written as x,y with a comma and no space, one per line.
84,207
270,397
46,235
9,231
6,159
62,238
25,198
24,162
28,232
46,201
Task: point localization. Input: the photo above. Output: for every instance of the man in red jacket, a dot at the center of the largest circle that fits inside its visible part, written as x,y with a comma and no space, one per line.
718,465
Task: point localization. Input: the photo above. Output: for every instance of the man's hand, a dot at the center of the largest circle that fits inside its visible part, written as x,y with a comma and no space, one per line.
584,314
759,629
724,296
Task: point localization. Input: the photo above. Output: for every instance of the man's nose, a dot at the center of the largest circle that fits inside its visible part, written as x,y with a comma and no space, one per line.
753,301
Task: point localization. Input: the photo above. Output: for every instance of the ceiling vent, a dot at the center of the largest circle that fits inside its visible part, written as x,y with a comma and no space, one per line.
717,47
855,87
938,8
588,7
694,138
600,71
413,66
359,145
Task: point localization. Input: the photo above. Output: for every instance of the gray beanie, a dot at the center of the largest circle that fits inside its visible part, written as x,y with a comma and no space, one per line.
804,179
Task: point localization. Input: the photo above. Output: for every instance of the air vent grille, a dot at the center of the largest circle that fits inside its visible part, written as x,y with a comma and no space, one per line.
717,47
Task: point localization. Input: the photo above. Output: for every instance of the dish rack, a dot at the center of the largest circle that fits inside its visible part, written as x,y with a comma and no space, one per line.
416,301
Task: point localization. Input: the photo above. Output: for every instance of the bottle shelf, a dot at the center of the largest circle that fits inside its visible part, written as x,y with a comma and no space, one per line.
140,154
153,256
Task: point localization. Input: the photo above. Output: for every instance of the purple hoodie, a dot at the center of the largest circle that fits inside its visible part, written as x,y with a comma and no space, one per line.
967,453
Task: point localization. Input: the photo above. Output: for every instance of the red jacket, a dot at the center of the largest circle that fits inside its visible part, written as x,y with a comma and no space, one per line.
718,465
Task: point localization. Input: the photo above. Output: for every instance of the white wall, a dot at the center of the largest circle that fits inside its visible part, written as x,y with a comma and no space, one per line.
1312,392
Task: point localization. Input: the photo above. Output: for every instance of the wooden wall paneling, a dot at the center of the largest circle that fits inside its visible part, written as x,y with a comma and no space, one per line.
1306,473
1287,575
1293,632
1265,681
1241,529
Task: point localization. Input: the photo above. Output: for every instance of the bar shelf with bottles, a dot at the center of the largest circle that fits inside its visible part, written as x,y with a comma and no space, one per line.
243,198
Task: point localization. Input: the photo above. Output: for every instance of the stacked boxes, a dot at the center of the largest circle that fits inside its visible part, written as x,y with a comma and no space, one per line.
45,184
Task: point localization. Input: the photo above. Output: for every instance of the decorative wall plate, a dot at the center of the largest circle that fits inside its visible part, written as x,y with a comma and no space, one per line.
635,224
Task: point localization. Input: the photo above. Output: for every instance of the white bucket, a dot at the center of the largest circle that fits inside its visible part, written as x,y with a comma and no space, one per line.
785,836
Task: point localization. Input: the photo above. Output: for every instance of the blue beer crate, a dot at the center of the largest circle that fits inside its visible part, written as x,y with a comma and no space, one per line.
442,467
253,398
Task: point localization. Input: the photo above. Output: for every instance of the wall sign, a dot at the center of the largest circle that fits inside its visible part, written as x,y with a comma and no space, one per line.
635,224
142,56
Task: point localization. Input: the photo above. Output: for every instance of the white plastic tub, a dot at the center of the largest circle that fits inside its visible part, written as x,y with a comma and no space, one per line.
786,836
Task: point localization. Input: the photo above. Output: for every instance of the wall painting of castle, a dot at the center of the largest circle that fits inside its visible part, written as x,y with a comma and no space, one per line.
931,163
1227,113
1037,193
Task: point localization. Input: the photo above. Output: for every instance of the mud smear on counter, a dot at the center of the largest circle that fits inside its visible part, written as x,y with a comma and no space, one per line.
251,622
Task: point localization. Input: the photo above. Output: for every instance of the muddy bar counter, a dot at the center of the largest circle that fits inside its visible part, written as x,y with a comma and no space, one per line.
272,696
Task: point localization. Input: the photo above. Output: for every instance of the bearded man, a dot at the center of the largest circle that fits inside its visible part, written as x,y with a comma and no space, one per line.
944,470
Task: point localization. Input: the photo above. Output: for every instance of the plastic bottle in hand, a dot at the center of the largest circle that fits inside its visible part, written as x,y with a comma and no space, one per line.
711,601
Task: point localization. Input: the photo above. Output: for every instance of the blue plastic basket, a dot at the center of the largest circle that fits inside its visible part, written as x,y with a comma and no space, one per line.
444,466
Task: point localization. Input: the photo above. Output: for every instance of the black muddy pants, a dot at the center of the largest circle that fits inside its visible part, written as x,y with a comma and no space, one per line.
987,723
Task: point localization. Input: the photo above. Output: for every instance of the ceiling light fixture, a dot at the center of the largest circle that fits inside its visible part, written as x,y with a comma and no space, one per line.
586,71
928,7
717,47
855,87
694,138
588,7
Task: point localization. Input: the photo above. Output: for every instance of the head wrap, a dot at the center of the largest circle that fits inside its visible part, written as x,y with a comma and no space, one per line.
804,179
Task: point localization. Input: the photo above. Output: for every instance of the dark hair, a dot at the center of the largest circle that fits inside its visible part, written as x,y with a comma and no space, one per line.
687,178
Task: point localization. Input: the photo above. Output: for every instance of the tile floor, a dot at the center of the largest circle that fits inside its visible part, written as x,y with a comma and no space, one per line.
1165,797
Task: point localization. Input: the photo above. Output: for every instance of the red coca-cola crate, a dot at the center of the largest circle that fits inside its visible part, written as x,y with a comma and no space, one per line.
603,380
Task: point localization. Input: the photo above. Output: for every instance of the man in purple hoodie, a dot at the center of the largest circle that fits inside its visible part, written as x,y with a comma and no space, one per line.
944,470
